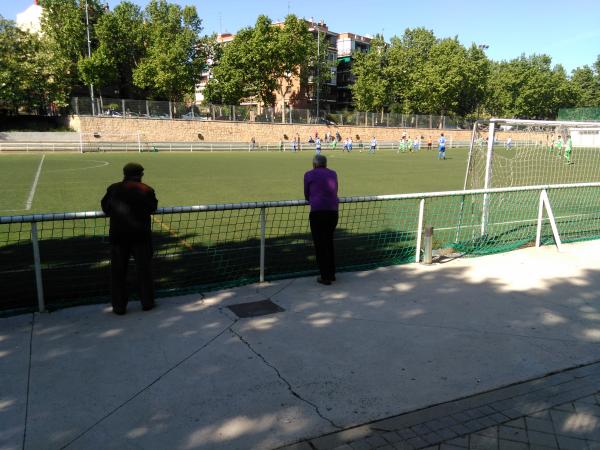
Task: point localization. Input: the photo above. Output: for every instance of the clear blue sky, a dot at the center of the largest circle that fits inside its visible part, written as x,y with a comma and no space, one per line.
569,31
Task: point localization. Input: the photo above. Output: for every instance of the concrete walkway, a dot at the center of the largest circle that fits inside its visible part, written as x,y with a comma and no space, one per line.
192,375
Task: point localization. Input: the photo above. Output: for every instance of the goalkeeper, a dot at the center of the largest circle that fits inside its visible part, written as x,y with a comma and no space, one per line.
569,149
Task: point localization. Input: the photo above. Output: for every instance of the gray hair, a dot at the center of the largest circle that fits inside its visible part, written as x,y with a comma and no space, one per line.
320,161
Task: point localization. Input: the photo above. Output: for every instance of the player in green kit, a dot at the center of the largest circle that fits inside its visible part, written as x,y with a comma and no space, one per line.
569,149
410,144
558,145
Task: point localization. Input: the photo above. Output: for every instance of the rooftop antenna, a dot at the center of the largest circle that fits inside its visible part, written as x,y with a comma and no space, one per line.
220,24
289,7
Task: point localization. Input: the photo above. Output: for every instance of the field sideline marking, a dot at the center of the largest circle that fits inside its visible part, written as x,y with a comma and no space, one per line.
34,185
173,233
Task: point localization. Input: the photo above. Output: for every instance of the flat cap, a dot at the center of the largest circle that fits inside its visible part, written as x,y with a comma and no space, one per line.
133,169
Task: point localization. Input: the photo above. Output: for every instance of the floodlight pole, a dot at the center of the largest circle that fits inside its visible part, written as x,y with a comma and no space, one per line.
89,46
318,69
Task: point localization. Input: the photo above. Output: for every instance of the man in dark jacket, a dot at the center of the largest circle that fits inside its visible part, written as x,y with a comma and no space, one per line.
129,205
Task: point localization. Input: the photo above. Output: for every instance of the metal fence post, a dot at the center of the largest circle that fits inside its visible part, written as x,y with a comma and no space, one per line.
420,230
38,267
263,232
170,110
428,247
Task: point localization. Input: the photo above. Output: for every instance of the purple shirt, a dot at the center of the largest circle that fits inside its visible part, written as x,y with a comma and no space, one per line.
320,189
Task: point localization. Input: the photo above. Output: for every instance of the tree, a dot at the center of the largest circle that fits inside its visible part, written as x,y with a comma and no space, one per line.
407,56
371,90
293,46
449,77
173,62
528,87
586,85
120,35
64,43
261,61
22,78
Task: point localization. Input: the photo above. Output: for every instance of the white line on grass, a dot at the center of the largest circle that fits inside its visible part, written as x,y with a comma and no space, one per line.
34,185
101,164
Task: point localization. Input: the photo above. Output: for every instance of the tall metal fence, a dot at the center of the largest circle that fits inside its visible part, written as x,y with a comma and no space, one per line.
49,261
152,109
592,113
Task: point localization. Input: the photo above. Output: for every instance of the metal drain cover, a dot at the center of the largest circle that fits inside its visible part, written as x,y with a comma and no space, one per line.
255,309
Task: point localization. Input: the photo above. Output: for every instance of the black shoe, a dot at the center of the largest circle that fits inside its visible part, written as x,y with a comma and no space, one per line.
119,312
322,281
149,307
333,278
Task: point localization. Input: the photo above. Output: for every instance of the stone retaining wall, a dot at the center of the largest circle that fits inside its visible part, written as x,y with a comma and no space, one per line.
167,130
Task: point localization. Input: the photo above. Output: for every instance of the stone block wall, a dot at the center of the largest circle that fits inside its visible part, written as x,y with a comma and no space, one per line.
164,130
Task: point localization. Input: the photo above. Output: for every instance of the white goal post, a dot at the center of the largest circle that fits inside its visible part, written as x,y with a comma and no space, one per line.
107,142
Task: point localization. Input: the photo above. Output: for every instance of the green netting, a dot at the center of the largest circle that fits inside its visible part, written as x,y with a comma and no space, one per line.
579,113
205,250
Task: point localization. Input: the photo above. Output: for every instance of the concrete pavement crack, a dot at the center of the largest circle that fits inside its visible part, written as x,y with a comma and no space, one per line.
148,386
282,378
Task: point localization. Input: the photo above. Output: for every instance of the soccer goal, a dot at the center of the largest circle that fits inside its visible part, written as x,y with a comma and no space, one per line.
513,152
112,142
509,153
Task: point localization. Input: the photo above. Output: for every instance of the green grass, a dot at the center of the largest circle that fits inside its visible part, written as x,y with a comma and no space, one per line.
206,250
70,182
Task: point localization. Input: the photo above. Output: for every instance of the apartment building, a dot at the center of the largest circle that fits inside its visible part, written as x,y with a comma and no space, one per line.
334,89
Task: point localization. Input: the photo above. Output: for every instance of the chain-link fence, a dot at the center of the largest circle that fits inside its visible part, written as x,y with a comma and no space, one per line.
151,109
62,259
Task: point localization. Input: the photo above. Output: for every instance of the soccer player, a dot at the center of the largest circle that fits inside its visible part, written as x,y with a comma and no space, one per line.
429,142
509,143
373,145
569,149
558,145
318,145
442,147
409,144
349,144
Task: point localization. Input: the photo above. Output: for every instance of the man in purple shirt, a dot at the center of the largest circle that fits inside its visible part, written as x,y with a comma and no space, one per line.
320,190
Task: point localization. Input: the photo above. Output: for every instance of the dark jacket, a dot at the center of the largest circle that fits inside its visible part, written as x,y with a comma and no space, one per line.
129,205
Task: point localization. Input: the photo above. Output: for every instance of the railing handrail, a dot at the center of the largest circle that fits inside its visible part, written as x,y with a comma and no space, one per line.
31,218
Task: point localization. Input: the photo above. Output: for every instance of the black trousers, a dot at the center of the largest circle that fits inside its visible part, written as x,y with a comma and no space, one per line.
119,260
322,227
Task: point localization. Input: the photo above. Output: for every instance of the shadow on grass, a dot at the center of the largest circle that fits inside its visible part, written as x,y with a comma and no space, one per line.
76,270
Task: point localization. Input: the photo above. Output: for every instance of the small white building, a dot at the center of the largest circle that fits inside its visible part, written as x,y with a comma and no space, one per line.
30,19
585,137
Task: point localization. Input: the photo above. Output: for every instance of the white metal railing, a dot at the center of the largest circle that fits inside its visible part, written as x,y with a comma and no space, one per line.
148,146
544,203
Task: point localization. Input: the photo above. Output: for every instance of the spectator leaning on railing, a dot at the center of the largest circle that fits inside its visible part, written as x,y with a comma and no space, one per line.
129,205
320,190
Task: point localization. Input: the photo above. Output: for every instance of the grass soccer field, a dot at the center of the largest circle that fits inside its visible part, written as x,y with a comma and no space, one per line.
201,250
77,182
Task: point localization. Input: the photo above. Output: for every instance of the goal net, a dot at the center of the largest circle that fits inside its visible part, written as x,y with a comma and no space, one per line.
511,152
112,142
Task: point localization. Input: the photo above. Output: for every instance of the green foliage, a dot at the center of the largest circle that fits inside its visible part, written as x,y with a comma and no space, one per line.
528,87
120,36
418,73
371,90
586,85
64,43
172,63
260,61
407,56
